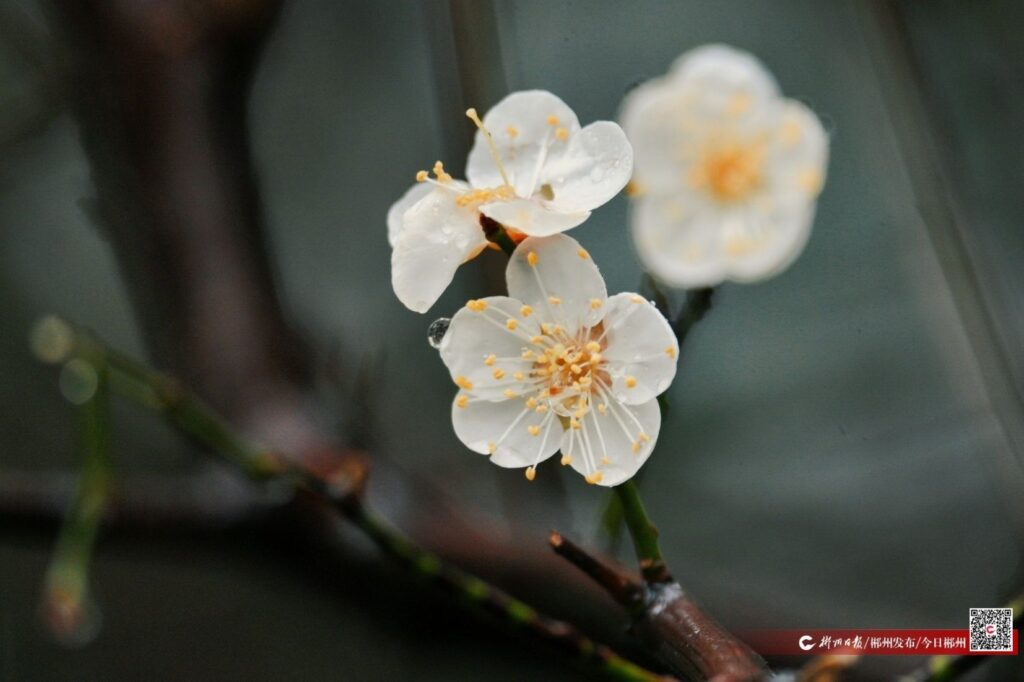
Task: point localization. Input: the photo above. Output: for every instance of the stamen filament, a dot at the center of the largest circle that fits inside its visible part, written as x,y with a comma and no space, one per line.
495,156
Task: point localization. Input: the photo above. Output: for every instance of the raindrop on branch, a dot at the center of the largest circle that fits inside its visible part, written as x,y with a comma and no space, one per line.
436,331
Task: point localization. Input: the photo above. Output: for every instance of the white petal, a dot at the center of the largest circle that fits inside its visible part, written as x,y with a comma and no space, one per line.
563,285
775,238
653,116
714,67
798,154
519,124
679,241
502,430
596,166
437,237
606,442
398,209
533,218
641,349
475,335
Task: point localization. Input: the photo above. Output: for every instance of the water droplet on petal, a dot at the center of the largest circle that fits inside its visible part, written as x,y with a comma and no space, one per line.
436,331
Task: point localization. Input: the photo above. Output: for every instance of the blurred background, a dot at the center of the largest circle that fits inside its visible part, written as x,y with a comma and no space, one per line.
846,440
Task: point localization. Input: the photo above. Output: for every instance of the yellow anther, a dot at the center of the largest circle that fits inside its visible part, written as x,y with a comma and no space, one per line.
495,156
511,324
541,409
554,300
531,258
518,376
636,447
558,327
575,423
547,327
536,340
462,400
512,131
477,305
576,369
636,298
531,403
582,253
491,447
593,346
552,120
586,381
671,352
533,429
596,358
531,473
602,408
605,460
561,133
499,373
643,437
439,172
527,355
510,394
464,383
598,477
526,311
581,413
596,303
421,176
566,460
630,382
490,359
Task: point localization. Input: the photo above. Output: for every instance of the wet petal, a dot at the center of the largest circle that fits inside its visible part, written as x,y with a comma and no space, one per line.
557,277
679,241
523,125
641,349
511,434
614,439
483,349
397,211
594,168
532,218
437,237
725,70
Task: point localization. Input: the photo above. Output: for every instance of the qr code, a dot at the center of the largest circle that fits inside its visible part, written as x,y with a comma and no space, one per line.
991,630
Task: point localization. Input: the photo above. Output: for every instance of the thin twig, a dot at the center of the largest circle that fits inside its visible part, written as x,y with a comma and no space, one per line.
621,587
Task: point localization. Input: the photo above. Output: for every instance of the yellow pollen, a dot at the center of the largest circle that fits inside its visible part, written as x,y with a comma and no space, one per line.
490,359
561,133
671,352
580,413
512,131
552,120
602,408
491,447
596,358
499,373
566,460
598,477
485,195
582,253
547,327
533,429
421,176
531,258
630,382
527,355
495,156
605,460
518,376
576,369
595,303
510,394
477,305
531,403
536,340
554,300
636,447
526,311
462,400
729,172
541,409
464,383
593,346
643,437
511,324
531,473
575,423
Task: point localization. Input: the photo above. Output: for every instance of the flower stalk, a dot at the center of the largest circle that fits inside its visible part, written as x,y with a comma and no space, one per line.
644,534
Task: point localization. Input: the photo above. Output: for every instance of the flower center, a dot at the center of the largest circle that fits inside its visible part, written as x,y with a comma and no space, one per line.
729,172
568,369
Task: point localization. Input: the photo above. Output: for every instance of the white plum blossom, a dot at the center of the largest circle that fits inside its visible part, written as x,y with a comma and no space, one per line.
559,365
727,170
532,169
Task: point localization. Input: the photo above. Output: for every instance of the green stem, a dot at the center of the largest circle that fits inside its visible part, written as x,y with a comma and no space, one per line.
66,591
160,393
644,533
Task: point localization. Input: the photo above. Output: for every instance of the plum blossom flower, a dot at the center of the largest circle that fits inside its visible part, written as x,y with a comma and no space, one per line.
559,365
532,169
727,170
